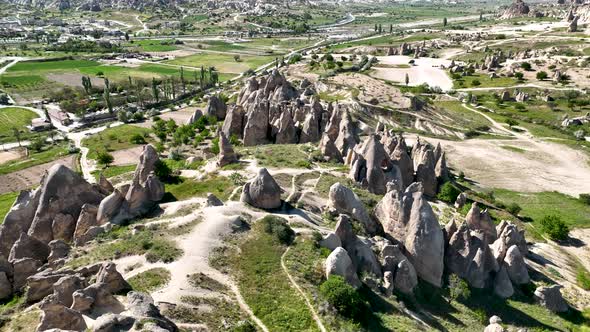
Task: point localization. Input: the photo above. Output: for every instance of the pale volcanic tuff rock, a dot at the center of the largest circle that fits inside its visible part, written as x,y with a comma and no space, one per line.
216,107
262,191
516,9
226,152
551,298
481,221
141,196
409,219
339,263
62,194
372,168
359,249
469,256
342,200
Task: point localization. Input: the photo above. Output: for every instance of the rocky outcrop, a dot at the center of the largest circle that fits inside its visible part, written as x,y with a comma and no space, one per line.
140,197
469,256
407,218
405,279
113,280
213,200
216,107
342,200
331,241
481,221
551,298
234,121
517,9
494,325
197,114
262,191
339,263
359,249
57,316
516,267
141,307
226,152
371,167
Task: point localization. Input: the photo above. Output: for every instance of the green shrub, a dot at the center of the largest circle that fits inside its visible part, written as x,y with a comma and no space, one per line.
343,297
513,209
448,192
585,198
104,158
149,280
458,288
554,227
278,227
583,278
137,139
215,145
162,169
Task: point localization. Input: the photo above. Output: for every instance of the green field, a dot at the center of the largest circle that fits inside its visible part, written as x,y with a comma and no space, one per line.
153,45
49,153
183,188
114,139
15,117
224,63
6,201
36,66
484,81
112,171
265,286
538,205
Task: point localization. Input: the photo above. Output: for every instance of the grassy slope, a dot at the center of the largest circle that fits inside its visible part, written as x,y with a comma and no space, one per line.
537,205
183,188
114,139
6,201
265,286
15,117
149,280
49,153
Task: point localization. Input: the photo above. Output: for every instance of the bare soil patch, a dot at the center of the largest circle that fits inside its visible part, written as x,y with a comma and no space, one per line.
31,176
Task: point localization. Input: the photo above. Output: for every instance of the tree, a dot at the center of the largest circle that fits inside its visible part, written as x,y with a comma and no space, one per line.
448,192
554,227
37,144
542,75
391,28
87,84
104,158
107,95
407,79
127,36
17,134
526,66
342,296
513,209
475,83
182,80
445,22
519,76
155,90
376,27
458,288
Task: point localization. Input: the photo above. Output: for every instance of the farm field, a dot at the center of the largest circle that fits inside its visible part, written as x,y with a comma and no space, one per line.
224,63
12,118
114,139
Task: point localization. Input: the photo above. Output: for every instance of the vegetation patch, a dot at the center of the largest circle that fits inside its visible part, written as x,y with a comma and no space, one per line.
150,280
47,154
182,188
120,242
114,139
112,171
218,314
278,155
263,283
536,206
6,201
201,280
13,122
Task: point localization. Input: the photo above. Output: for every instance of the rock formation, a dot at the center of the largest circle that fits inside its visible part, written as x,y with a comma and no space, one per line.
226,152
262,191
339,263
216,107
551,298
516,9
342,200
407,218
